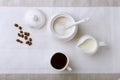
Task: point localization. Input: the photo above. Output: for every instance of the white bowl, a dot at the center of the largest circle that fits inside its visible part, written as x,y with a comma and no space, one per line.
62,37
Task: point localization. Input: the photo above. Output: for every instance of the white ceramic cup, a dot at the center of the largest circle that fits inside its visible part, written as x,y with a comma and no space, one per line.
62,37
89,45
65,67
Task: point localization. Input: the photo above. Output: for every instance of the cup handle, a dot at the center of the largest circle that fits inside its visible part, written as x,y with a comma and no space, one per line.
69,68
102,44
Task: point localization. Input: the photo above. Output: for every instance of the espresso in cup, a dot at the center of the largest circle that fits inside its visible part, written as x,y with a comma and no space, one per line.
60,61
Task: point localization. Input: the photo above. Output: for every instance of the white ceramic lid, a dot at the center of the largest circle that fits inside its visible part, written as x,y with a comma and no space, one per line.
35,18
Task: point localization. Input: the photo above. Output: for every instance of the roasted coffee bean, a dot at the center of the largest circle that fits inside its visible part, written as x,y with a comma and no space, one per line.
20,27
25,37
30,43
16,25
30,39
17,40
27,42
22,35
25,33
21,31
19,34
21,41
28,34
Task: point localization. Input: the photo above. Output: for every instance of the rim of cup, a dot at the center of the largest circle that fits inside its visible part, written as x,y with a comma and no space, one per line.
65,67
67,37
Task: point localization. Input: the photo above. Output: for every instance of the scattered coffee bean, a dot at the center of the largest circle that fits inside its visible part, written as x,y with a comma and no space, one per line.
22,35
30,44
19,34
27,42
16,25
25,33
28,34
25,37
18,40
21,41
20,27
30,39
21,31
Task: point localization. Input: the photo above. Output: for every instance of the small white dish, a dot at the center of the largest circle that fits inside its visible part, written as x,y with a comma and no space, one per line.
60,21
89,45
35,18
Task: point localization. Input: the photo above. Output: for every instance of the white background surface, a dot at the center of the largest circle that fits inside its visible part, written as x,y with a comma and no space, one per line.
61,3
17,58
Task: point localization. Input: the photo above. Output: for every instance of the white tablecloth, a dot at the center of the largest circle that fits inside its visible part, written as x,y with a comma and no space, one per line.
103,25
